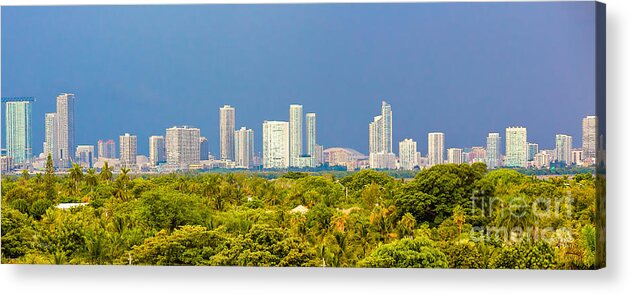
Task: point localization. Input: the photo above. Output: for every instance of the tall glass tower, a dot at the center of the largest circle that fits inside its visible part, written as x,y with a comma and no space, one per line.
18,129
295,134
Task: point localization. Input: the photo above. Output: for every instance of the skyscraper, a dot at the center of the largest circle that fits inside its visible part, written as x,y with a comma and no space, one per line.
107,149
589,137
226,132
454,156
375,129
275,144
435,148
203,148
380,133
85,156
295,134
65,138
311,134
493,148
182,146
386,112
564,148
128,149
244,148
157,150
516,147
18,129
533,149
50,145
407,154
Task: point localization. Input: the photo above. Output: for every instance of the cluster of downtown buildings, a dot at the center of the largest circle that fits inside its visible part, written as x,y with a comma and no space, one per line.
518,151
182,147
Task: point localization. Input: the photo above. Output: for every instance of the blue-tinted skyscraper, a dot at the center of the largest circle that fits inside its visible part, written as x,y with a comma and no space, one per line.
18,129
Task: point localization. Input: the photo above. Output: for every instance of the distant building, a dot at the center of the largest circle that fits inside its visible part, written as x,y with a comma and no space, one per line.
476,154
577,157
226,132
564,149
533,149
244,148
311,135
295,134
85,156
128,149
380,140
18,130
50,146
275,144
6,164
157,150
203,148
182,147
407,154
542,160
346,157
435,148
516,147
318,154
65,128
107,149
493,150
589,137
454,156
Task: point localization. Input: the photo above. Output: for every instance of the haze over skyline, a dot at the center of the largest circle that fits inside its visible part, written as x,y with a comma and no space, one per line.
465,69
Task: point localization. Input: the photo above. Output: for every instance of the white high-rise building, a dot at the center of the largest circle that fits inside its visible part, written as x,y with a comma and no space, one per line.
454,156
542,160
516,147
295,134
375,129
244,148
157,150
65,137
493,150
50,145
564,148
435,148
85,156
589,137
407,154
182,147
128,149
380,139
226,132
275,144
311,134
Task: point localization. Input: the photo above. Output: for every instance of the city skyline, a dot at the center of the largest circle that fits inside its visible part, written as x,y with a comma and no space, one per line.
120,89
518,150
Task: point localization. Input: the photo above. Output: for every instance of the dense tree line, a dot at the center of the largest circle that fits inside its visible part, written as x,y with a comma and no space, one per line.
446,216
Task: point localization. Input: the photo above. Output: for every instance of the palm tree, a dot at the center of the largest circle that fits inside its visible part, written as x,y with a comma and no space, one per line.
124,177
91,179
76,174
459,218
121,183
406,225
106,172
516,214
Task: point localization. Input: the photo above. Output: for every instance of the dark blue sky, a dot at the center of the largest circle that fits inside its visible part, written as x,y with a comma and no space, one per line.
461,68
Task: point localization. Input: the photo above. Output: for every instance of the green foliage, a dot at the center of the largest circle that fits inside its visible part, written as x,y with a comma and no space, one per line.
419,252
348,219
539,255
